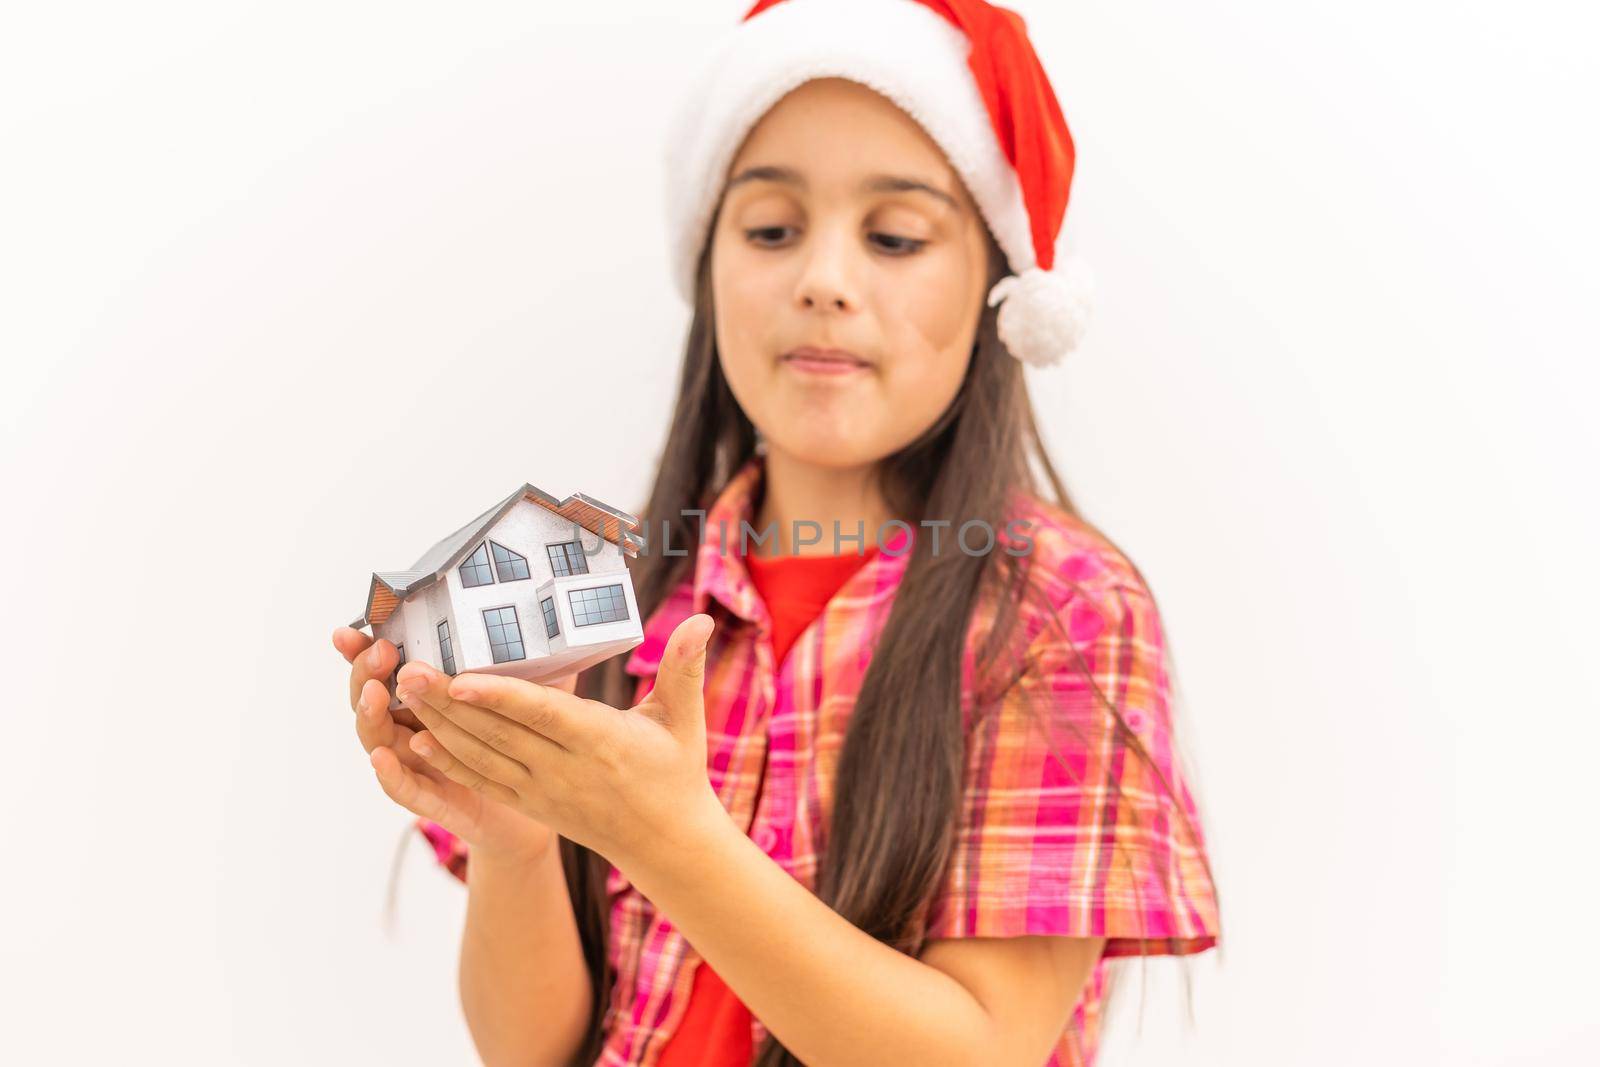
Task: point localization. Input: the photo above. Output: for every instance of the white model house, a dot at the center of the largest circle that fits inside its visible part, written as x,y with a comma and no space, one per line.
534,587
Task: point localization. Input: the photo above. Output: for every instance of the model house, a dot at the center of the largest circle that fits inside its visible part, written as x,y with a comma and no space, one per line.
534,587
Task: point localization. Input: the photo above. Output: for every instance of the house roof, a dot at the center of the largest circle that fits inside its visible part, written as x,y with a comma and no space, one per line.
388,588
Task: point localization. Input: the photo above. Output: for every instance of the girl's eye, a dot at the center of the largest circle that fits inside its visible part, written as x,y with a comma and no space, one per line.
904,246
769,236
768,230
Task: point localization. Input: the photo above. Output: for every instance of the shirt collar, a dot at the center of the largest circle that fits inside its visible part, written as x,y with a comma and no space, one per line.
720,573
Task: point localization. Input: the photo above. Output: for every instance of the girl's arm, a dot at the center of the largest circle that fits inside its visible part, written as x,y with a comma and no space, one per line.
836,996
524,984
632,785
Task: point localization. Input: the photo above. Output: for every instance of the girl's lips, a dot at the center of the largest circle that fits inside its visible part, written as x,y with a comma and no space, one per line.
812,365
810,360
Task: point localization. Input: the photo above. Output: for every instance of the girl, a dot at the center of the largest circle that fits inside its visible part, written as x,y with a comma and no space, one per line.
896,804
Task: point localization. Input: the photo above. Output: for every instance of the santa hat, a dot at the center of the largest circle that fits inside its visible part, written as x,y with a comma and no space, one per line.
966,72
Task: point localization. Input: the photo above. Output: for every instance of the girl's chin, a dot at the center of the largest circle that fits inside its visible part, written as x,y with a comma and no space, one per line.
830,407
826,448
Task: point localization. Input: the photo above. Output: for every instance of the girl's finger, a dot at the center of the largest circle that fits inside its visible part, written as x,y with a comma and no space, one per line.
373,662
374,725
554,715
351,645
350,642
438,759
378,724
405,716
469,761
503,734
410,790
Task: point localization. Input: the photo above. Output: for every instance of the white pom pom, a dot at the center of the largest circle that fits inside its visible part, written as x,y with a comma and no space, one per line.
1046,312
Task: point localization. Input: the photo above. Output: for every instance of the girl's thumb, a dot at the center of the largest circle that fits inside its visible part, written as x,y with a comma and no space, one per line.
680,679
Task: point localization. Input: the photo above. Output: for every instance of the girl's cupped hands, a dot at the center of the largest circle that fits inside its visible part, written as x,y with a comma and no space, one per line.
492,830
625,783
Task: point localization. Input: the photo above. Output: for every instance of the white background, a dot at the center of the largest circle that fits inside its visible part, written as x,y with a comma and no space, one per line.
288,290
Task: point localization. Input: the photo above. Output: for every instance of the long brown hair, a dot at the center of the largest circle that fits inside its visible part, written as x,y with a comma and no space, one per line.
899,778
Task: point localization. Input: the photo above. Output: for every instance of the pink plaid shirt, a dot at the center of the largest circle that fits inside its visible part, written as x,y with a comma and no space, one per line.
1041,848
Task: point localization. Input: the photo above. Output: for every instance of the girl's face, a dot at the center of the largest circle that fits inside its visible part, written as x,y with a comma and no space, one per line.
844,227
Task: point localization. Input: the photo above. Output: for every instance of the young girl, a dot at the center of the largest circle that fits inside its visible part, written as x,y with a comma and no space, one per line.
894,788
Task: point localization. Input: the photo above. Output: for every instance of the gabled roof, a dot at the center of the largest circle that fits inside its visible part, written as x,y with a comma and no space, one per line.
388,588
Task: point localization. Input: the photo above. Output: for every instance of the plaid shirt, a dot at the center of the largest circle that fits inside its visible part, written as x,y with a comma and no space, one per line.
1041,848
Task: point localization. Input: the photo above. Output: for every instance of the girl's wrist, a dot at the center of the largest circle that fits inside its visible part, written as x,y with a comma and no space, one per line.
693,837
518,862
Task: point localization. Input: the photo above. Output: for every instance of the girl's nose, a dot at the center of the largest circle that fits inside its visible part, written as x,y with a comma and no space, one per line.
826,293
825,282
835,301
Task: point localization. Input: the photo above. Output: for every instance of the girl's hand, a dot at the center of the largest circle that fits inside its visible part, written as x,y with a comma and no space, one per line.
626,784
486,825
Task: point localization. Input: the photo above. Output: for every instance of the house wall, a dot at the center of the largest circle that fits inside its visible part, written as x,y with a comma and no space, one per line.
415,624
527,529
435,601
575,636
394,629
418,619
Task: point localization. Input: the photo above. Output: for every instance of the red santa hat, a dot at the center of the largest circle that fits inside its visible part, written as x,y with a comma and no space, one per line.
966,72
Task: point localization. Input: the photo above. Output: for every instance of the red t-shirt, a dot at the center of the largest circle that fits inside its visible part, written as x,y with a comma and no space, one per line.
715,1031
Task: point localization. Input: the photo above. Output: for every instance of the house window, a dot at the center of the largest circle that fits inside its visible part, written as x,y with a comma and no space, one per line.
505,637
567,558
548,606
447,654
400,647
475,571
604,604
510,566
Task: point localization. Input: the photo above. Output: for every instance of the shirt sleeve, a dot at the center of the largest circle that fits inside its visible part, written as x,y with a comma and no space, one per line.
448,849
1100,837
